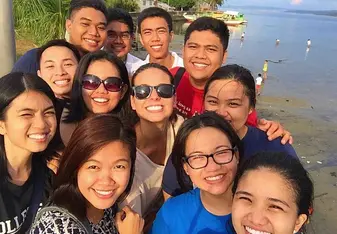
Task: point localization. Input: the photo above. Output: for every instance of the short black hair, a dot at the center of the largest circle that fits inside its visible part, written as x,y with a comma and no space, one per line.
122,16
152,12
60,43
76,5
216,26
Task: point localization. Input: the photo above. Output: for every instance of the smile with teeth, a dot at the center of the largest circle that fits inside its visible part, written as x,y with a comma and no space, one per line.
156,47
93,42
252,231
154,108
62,82
214,178
38,136
101,100
104,192
200,65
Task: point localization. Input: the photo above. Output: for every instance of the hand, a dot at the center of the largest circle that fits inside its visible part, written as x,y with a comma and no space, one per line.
274,130
129,222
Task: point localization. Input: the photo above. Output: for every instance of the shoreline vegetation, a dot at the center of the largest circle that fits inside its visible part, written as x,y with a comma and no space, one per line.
332,13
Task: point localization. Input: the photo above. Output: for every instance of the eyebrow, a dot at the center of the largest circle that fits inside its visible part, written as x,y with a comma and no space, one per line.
231,99
30,109
216,148
119,160
83,18
52,61
269,198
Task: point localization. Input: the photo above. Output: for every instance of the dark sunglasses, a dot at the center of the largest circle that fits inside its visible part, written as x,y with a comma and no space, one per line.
144,91
111,84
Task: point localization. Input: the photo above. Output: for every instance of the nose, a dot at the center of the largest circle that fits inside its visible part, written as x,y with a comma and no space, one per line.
200,53
106,177
60,70
154,95
222,111
93,30
40,121
101,89
212,165
257,216
155,36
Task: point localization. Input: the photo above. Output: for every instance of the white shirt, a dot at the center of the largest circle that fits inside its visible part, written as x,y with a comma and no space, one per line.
259,80
178,62
130,60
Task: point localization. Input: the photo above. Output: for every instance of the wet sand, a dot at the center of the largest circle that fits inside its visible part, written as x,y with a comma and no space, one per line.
315,141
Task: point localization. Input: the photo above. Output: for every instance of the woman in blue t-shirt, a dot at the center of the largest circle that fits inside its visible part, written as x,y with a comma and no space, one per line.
230,92
273,193
207,149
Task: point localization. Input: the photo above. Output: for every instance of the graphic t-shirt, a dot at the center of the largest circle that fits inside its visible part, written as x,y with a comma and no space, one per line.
186,214
189,100
254,141
15,200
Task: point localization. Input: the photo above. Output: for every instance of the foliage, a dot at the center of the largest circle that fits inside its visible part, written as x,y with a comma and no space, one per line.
128,5
40,20
214,3
181,4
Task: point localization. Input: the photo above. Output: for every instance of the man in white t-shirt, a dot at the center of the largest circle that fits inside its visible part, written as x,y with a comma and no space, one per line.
156,33
259,80
120,30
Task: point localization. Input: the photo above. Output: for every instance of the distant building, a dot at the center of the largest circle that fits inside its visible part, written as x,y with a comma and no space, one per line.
143,4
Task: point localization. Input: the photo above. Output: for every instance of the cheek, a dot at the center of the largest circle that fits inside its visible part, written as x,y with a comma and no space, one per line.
85,180
122,178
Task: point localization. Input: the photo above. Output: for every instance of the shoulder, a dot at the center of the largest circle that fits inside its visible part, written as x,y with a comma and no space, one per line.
137,65
27,62
179,203
50,220
178,61
132,59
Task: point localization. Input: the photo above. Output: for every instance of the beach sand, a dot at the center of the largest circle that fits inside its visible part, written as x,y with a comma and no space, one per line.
315,141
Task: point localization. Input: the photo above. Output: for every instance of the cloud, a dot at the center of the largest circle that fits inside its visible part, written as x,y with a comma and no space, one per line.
296,2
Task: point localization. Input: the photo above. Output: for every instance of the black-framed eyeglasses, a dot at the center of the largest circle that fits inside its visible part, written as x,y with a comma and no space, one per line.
112,35
221,157
111,84
144,91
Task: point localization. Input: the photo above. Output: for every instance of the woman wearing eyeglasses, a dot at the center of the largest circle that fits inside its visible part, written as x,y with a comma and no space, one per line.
101,85
207,149
156,126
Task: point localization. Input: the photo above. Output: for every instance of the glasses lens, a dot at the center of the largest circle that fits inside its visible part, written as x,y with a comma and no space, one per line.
197,161
223,156
113,84
142,91
165,90
90,82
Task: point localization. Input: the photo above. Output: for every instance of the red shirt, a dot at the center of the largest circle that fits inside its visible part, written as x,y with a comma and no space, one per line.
189,100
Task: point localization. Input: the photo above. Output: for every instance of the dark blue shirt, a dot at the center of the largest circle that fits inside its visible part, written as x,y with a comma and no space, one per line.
27,63
253,142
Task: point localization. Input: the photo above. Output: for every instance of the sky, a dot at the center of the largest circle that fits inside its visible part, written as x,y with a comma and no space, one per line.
291,4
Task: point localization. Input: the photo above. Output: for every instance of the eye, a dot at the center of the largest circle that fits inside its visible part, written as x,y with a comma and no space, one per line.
120,167
245,199
50,113
101,28
162,31
26,115
68,64
275,207
234,104
192,47
93,167
212,102
50,66
211,50
85,24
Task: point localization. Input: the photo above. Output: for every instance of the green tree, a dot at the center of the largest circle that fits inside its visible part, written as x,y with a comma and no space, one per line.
128,5
40,20
181,4
215,3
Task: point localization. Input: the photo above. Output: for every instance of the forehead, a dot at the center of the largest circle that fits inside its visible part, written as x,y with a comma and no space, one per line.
89,13
118,26
153,77
205,140
58,52
204,38
154,23
226,89
102,69
113,151
31,100
254,183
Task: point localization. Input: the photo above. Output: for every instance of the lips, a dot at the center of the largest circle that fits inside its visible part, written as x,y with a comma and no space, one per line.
62,83
104,194
199,66
91,42
38,136
214,178
100,100
253,231
156,47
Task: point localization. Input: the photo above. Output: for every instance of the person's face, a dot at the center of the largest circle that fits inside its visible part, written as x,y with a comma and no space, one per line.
265,202
228,99
57,67
155,37
214,178
119,40
30,123
101,100
105,175
154,108
86,29
203,53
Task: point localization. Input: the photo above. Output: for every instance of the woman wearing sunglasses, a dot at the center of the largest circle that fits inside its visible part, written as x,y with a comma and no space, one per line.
101,85
207,149
152,99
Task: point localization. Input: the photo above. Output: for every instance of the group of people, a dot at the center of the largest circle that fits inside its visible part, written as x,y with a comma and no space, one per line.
96,140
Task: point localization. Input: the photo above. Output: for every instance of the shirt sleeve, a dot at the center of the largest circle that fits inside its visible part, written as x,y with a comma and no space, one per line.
252,118
27,63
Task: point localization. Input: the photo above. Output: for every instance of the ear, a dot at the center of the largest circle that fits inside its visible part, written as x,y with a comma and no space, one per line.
68,25
39,73
141,39
171,36
2,128
251,109
185,168
302,218
224,59
132,101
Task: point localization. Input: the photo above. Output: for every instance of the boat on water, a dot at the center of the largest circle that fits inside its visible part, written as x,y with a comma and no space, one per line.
231,18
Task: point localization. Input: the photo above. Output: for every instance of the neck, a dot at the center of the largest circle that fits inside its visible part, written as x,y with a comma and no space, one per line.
94,215
124,58
19,162
149,132
242,132
167,61
219,205
199,84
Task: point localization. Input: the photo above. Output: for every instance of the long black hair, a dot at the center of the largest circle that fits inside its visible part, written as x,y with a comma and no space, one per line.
11,86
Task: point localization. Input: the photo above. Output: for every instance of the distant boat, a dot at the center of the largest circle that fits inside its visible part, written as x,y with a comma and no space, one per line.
231,18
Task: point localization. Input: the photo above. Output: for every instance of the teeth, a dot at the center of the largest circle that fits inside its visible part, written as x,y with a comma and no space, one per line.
91,41
156,47
213,178
61,82
101,100
252,231
37,136
103,193
200,65
154,108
